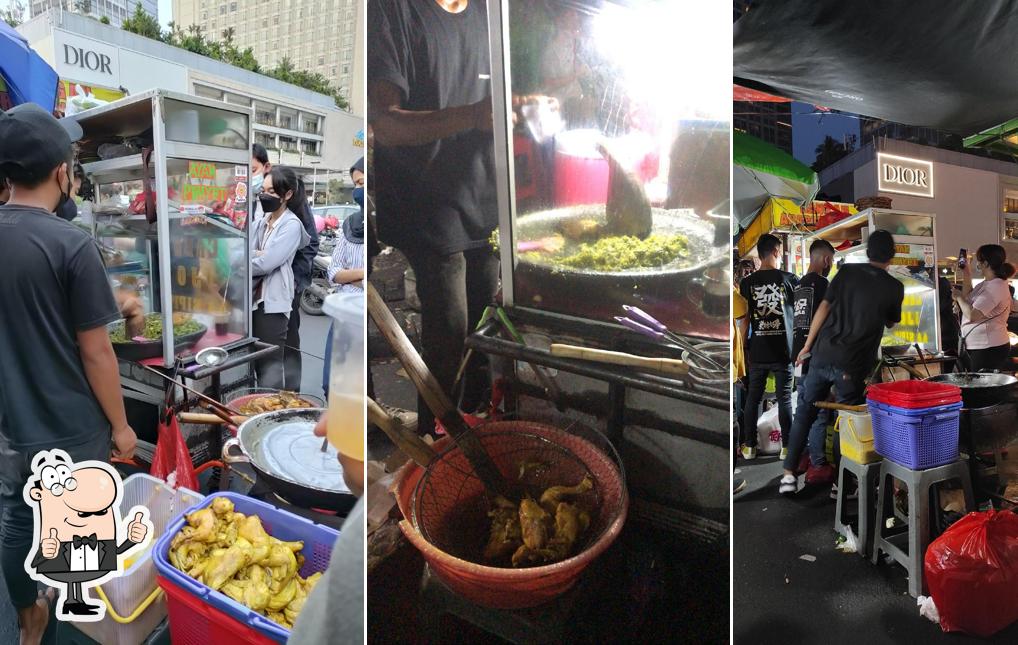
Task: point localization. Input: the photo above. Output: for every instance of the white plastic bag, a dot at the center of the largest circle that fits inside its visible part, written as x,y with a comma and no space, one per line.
768,431
928,609
81,101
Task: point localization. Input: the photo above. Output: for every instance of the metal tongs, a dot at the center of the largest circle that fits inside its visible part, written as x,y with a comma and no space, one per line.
641,322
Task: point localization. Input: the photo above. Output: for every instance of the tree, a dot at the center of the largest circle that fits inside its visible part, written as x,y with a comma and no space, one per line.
333,191
832,150
143,24
104,20
14,14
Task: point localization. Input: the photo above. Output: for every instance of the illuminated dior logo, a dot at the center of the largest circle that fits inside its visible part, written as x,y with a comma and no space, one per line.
906,176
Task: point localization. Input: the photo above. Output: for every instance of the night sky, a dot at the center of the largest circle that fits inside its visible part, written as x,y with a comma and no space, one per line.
809,130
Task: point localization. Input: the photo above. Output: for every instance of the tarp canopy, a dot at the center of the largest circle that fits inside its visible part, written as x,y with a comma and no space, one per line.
29,79
761,171
785,215
937,63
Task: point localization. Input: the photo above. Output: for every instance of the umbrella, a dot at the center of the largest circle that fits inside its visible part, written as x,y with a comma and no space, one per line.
28,77
761,171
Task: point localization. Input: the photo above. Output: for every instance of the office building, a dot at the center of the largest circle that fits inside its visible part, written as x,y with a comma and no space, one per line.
114,10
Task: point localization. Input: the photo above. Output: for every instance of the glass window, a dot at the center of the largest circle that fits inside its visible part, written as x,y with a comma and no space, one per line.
265,139
346,70
309,147
265,115
288,144
208,92
237,99
321,60
233,6
222,10
288,119
189,123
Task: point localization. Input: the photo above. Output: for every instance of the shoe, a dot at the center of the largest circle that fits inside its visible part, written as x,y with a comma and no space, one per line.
748,452
822,475
852,495
789,484
803,464
80,609
740,485
784,452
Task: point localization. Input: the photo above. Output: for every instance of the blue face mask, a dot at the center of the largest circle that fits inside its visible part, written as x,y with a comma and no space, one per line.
358,196
256,183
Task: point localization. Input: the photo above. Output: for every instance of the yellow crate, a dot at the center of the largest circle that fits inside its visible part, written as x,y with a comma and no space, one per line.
856,430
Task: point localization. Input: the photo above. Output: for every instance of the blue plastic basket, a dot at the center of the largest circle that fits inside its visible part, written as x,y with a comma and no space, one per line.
918,438
318,543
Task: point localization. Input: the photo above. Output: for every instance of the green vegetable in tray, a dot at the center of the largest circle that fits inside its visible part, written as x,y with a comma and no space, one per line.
619,253
153,329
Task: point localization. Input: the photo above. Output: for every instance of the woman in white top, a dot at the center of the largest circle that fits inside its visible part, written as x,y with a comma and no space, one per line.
275,239
984,311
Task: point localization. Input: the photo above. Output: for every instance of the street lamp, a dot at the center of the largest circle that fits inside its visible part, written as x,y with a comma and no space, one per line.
314,181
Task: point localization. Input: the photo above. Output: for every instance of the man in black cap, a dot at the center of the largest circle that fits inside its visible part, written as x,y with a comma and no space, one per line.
59,380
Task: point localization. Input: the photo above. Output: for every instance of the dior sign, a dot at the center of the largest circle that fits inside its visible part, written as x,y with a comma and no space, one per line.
87,59
904,175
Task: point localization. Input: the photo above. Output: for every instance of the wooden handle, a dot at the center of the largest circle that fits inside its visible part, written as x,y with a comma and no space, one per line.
671,366
411,444
432,393
827,405
207,419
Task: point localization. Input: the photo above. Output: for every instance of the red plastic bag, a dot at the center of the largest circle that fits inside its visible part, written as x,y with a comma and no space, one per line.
172,461
972,573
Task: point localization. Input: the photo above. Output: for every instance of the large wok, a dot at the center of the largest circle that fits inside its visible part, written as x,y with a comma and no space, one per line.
981,390
282,450
684,295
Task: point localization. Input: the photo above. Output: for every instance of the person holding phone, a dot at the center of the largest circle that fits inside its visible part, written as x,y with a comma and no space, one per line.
984,310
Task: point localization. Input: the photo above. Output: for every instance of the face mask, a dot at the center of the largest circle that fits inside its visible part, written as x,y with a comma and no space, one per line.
256,183
358,196
270,203
64,198
67,210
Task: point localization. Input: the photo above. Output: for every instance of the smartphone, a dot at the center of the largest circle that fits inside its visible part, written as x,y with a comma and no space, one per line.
963,258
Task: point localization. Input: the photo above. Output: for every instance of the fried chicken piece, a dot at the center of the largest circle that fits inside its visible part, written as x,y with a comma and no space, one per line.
311,581
551,497
222,506
252,592
296,605
581,229
221,568
535,523
570,523
506,535
283,597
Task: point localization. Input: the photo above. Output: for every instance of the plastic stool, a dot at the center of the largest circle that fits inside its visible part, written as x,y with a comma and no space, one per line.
868,475
909,548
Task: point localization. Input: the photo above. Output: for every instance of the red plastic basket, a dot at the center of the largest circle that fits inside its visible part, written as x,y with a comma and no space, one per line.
198,623
914,395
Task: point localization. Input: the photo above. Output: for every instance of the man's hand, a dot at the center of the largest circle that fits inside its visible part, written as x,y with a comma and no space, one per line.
124,442
483,115
136,530
50,546
803,355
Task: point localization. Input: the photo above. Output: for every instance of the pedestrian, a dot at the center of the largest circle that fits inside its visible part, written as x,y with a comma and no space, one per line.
739,310
260,167
950,326
303,265
275,240
59,377
429,107
808,296
984,311
769,293
843,345
346,270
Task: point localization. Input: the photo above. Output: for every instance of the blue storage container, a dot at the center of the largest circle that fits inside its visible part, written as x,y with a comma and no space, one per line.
318,543
918,438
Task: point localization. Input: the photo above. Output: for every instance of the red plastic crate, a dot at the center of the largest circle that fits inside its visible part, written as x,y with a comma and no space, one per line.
194,622
915,394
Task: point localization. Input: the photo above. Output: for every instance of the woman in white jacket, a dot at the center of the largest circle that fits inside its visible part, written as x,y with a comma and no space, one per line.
275,239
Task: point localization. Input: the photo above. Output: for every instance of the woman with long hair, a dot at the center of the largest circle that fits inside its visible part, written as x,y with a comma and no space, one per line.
984,311
275,240
303,263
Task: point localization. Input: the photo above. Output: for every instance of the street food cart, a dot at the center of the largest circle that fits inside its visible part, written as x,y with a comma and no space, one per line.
916,339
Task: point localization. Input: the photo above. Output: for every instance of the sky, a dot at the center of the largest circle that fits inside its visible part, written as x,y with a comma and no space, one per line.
165,13
810,128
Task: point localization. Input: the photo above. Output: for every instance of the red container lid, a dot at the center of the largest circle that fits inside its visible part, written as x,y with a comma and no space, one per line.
914,394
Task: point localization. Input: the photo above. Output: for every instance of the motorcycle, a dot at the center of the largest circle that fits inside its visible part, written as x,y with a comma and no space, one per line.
313,297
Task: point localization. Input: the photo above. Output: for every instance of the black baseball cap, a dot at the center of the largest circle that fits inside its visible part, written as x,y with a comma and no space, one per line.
34,140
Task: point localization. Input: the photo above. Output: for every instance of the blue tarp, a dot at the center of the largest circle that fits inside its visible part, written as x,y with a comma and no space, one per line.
28,77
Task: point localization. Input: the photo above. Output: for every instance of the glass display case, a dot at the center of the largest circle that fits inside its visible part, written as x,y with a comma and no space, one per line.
170,183
612,162
914,265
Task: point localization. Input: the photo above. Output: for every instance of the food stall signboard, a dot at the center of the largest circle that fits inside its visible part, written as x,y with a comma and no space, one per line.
904,175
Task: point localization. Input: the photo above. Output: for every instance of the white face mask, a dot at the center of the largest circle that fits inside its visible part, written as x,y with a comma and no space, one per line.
256,183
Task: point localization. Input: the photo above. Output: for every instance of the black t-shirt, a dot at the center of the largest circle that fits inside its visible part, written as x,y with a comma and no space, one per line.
440,195
863,301
54,285
808,296
769,293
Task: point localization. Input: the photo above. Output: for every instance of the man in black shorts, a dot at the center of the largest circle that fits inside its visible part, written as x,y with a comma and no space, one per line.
429,108
844,339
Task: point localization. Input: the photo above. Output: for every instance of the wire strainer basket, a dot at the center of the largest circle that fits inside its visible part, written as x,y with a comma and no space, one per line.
450,504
